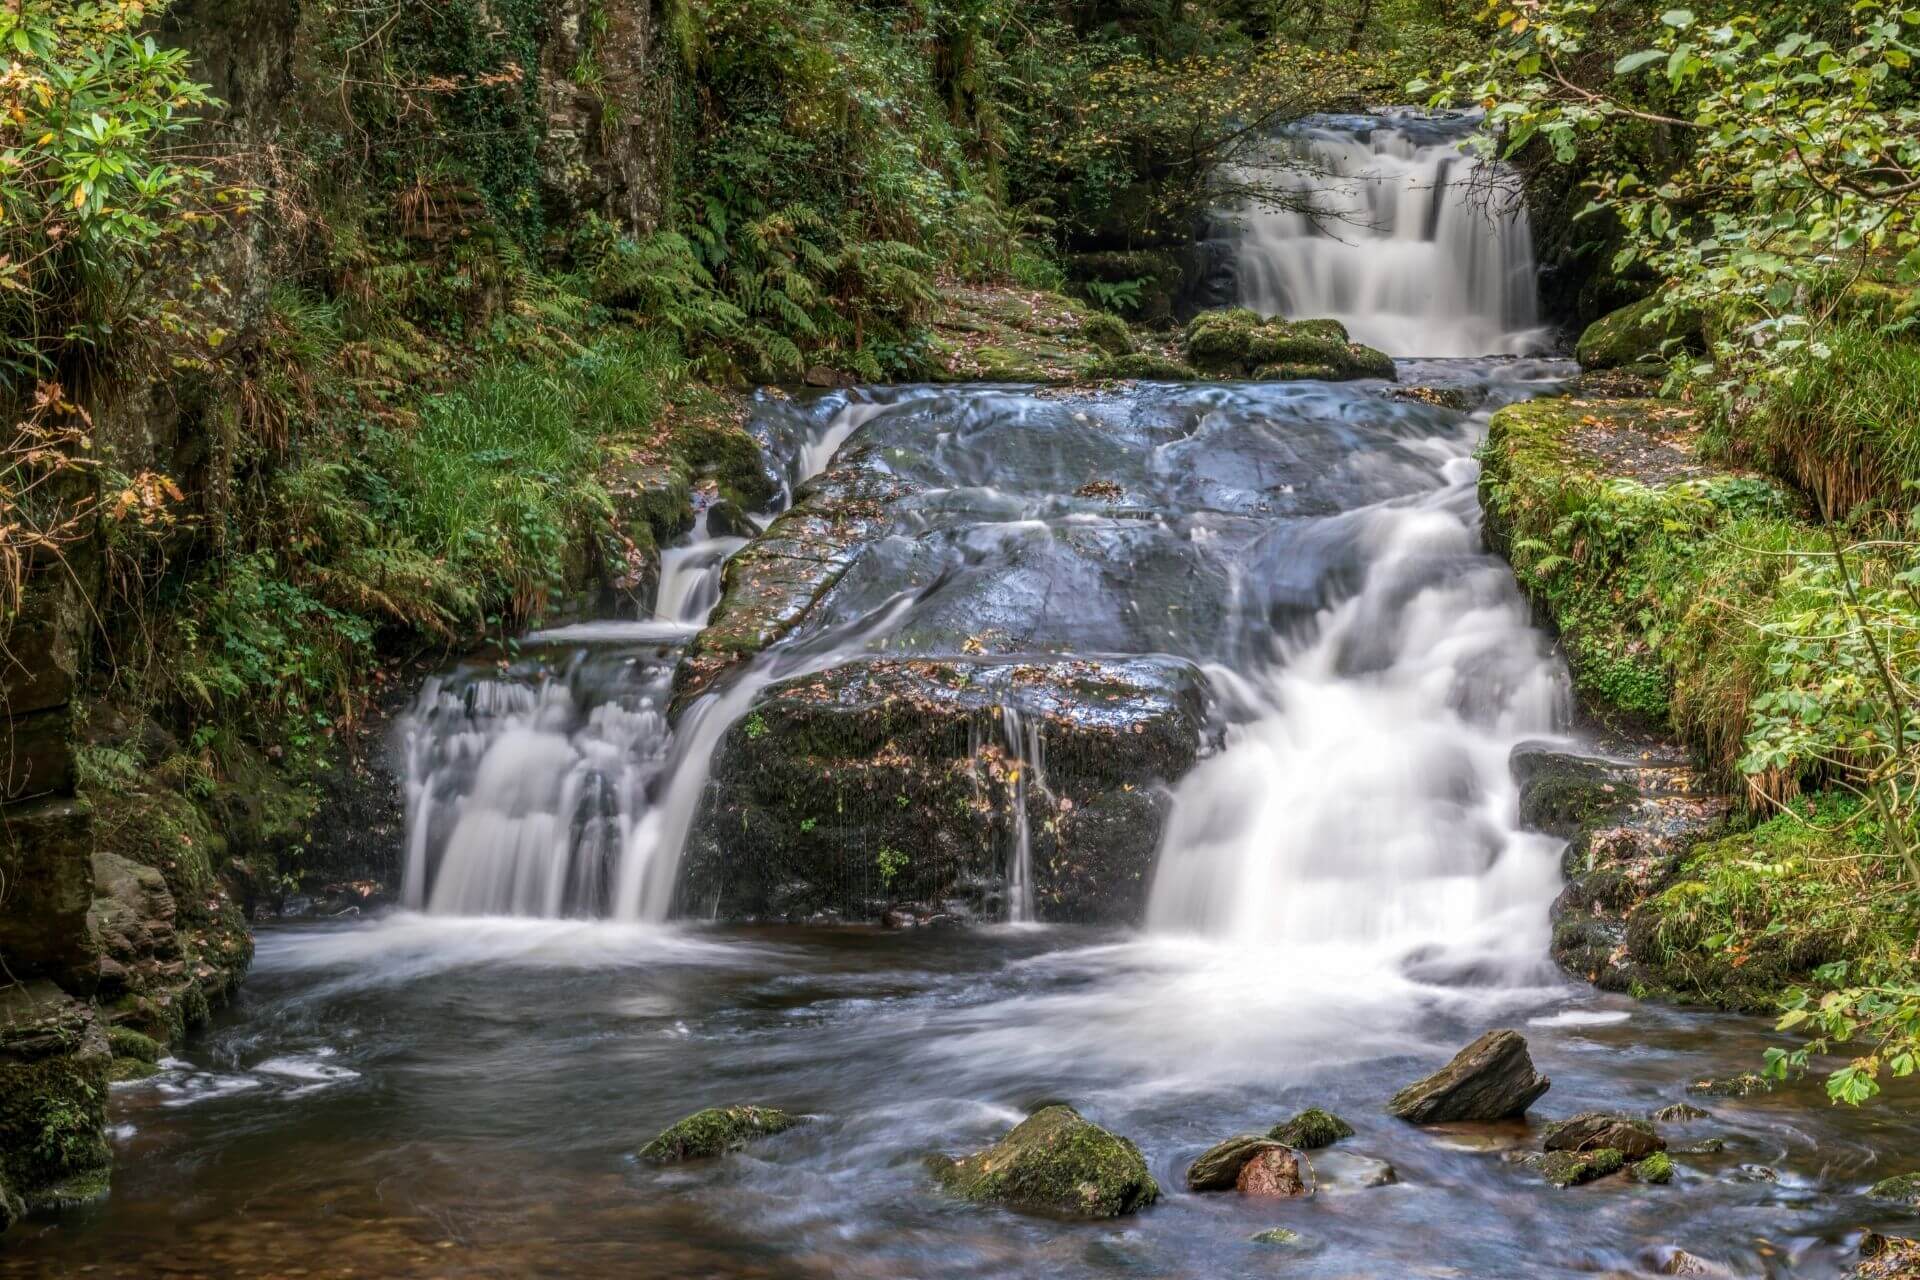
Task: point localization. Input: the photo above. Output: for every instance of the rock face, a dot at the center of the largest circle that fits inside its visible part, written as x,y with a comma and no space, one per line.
53,1089
1629,827
1491,1079
1311,1130
716,1131
1054,1162
884,781
1592,1130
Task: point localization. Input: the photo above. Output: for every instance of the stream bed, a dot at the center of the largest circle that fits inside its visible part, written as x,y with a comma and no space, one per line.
416,1096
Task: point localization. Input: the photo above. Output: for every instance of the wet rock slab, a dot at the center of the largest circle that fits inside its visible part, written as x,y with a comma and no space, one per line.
1054,1162
1491,1079
907,780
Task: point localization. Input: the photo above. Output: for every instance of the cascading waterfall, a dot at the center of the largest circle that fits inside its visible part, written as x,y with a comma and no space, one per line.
557,787
1394,227
1025,757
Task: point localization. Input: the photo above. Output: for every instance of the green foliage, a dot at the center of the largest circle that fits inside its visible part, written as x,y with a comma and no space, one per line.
1796,132
890,863
93,190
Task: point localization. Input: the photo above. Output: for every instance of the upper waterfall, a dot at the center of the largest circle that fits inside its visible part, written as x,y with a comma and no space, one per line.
1391,225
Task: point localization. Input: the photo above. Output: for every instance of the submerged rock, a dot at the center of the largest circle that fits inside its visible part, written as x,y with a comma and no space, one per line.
1656,1169
1491,1079
1901,1189
716,1131
1700,1147
1277,1235
1311,1130
1591,1130
1573,1168
1347,1171
1745,1085
1682,1113
1275,1173
1054,1161
1218,1168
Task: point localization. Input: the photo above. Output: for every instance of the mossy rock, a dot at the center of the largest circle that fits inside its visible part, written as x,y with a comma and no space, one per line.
123,1070
1681,1113
76,1192
1598,1130
1745,1085
1140,366
1109,333
716,1131
1901,1189
125,1042
1278,1235
1311,1130
1573,1168
1055,1162
1656,1169
1635,335
1238,343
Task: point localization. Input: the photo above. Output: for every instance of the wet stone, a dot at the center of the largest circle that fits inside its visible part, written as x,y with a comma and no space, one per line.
1491,1079
1277,1235
1275,1173
1656,1169
1218,1168
1592,1130
1311,1130
716,1131
1573,1168
1901,1189
1745,1085
1054,1162
1681,1113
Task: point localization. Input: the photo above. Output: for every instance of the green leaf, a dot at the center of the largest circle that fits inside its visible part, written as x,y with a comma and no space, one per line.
1680,19
1634,61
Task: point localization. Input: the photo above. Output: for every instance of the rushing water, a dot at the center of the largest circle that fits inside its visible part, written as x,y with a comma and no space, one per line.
1342,899
1394,228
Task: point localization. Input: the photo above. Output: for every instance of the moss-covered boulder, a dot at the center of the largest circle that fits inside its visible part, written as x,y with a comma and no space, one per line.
1573,1168
1902,1188
1311,1130
1636,334
1593,1130
1656,1169
1238,343
1746,1084
53,1093
1054,1162
716,1131
1109,333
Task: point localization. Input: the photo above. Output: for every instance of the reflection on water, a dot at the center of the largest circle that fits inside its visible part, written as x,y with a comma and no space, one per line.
416,1096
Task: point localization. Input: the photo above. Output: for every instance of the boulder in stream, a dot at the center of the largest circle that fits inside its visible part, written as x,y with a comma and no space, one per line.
716,1131
1275,1173
1656,1169
1311,1130
1900,1189
1491,1079
1573,1168
1055,1161
1218,1168
1592,1130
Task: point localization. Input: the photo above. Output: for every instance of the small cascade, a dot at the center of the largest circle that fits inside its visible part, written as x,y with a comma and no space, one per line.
690,575
1027,762
1394,227
554,785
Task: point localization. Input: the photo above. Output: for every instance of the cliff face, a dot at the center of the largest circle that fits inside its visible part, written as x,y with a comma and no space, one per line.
127,870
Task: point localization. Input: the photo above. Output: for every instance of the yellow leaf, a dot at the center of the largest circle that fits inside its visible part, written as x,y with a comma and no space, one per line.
79,197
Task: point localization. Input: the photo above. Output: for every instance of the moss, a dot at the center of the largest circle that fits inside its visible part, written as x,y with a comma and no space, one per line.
1901,1189
1311,1130
1240,343
716,1131
75,1192
1656,1169
1634,335
1141,366
123,1070
1054,1161
1276,1235
1109,333
1574,1168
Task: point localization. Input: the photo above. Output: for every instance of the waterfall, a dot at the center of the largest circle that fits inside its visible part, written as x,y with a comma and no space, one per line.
1394,227
553,785
1026,760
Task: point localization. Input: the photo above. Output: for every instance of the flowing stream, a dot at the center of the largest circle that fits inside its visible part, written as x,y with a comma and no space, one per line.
1342,896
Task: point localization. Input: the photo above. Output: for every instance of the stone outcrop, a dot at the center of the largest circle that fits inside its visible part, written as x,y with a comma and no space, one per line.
1054,1162
1592,1130
1491,1079
886,781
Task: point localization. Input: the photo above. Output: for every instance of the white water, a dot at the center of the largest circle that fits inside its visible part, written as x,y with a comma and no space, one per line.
563,795
1026,757
1405,242
1367,809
